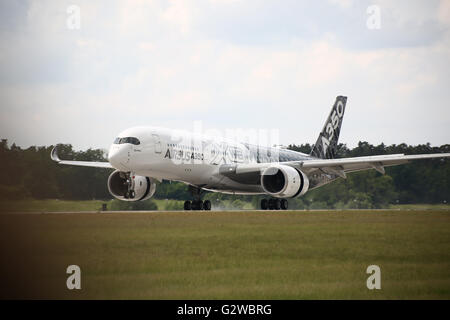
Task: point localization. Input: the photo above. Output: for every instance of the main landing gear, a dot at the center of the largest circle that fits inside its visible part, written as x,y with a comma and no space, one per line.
197,203
274,204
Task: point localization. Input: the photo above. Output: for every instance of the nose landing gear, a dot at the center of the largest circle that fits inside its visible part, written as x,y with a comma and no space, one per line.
128,184
274,204
130,194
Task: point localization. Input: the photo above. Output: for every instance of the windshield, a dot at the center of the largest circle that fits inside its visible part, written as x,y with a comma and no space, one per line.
131,140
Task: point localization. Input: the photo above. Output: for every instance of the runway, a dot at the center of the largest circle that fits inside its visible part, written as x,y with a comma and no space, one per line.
224,211
227,255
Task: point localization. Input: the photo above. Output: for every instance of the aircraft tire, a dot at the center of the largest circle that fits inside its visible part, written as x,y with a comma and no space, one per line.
187,205
197,205
276,204
264,204
284,204
207,205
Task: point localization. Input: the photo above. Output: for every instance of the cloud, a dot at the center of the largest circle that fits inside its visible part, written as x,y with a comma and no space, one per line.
227,63
444,12
342,3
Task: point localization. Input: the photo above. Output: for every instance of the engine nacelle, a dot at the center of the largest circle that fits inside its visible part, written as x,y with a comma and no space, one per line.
128,187
283,181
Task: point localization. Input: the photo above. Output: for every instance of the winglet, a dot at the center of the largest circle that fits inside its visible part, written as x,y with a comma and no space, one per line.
94,164
54,154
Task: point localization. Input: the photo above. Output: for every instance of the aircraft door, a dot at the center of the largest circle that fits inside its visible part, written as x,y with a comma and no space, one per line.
157,142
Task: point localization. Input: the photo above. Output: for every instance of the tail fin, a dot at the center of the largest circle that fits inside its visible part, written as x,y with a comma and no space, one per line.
326,144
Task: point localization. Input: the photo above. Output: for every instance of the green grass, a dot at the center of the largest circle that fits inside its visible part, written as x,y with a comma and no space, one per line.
165,204
54,205
228,255
50,205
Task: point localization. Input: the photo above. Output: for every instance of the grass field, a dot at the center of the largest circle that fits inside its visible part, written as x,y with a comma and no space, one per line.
227,255
54,205
50,205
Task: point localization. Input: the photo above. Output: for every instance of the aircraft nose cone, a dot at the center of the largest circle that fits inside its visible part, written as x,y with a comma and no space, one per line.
117,156
113,155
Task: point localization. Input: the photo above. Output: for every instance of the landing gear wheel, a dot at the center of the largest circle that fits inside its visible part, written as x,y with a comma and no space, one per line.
264,204
277,204
274,204
284,204
127,195
187,205
197,205
207,205
132,194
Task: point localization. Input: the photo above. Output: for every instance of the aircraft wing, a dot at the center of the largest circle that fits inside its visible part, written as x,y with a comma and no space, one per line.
337,166
363,163
54,156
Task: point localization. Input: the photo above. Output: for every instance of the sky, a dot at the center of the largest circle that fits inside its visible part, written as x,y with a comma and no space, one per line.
80,72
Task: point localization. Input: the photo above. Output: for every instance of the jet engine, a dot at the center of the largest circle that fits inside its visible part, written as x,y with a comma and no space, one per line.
128,187
283,181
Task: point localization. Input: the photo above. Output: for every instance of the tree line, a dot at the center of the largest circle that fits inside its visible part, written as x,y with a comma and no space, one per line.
30,173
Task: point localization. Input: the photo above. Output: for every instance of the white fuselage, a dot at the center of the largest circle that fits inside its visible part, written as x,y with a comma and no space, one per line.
142,154
183,156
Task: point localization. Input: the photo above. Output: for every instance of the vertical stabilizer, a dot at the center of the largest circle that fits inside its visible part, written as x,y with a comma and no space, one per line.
326,144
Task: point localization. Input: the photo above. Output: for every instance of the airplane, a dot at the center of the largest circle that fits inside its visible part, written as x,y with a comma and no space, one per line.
142,155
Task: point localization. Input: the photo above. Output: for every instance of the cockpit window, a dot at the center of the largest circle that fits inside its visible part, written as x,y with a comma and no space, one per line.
131,140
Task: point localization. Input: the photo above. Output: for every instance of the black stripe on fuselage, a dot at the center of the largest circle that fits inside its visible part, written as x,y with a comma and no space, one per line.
276,156
269,154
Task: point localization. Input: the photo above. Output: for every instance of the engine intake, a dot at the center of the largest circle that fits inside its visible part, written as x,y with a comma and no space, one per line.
284,181
128,187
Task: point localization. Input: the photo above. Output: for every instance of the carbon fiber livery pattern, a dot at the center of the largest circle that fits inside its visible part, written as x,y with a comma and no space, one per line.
326,144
